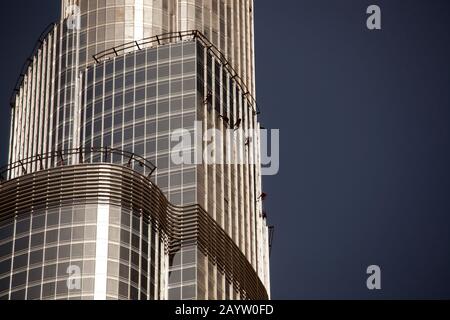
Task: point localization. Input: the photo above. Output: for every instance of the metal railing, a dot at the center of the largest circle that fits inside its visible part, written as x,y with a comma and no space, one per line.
82,156
175,37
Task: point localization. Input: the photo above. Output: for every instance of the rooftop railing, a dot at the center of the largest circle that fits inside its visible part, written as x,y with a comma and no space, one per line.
175,37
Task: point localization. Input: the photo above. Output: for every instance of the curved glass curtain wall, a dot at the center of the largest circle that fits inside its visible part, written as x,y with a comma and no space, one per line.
227,23
46,243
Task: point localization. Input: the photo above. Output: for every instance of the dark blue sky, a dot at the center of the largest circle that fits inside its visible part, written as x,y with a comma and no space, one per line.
364,119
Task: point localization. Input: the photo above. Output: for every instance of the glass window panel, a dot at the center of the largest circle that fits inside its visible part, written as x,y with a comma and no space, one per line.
88,285
22,226
188,49
78,233
38,222
52,219
90,233
129,115
65,234
163,107
163,125
128,134
50,271
134,277
176,86
189,274
140,94
189,197
151,91
48,290
176,69
175,179
118,118
108,123
5,267
176,105
140,58
151,146
35,275
140,76
163,71
34,293
189,292
66,216
62,269
163,52
151,128
176,122
117,138
189,176
163,88
77,251
163,143
123,290
189,257
36,257
139,113
129,97
91,215
108,104
151,74
64,252
124,271
37,239
62,288
125,219
189,84
79,215
175,277
119,65
113,287
175,294
152,56
129,61
176,259
52,236
89,250
118,82
109,68
189,66
176,51
113,252
18,295
5,249
135,241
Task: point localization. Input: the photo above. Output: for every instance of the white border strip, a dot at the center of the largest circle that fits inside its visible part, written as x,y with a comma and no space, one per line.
101,253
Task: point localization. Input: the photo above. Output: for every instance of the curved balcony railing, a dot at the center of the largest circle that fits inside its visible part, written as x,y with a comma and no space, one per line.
174,37
77,156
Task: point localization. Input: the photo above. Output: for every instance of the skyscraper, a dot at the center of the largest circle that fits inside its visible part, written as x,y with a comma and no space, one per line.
93,204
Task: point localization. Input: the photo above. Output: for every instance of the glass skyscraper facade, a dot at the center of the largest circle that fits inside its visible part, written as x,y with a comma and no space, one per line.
97,192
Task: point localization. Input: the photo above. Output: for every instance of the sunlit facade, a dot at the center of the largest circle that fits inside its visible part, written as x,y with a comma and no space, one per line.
132,74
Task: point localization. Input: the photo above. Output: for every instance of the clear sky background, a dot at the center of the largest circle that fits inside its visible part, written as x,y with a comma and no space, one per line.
365,136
